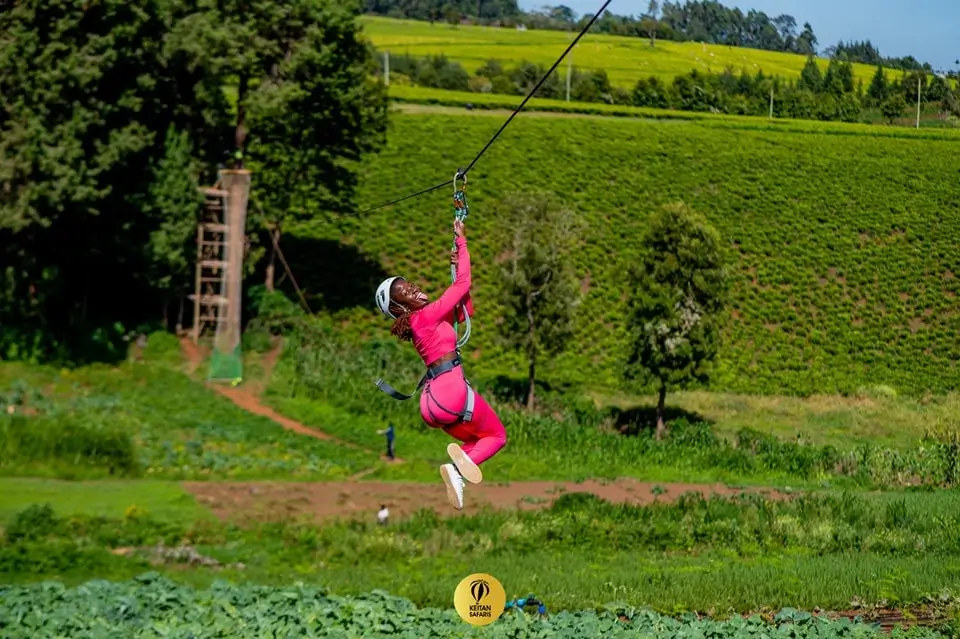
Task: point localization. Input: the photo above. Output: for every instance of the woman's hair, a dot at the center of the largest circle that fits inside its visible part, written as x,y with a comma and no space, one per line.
401,326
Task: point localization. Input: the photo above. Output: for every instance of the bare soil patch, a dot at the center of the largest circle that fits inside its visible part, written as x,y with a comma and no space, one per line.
323,501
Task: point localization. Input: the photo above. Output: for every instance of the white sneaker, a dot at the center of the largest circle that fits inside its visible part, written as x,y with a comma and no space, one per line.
454,483
468,470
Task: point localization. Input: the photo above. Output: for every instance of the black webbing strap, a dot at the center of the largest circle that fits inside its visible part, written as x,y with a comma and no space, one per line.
432,373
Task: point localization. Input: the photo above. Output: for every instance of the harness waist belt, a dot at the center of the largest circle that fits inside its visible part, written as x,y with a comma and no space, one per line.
431,374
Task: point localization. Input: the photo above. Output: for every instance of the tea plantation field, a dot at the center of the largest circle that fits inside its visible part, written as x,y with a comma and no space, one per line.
841,239
625,60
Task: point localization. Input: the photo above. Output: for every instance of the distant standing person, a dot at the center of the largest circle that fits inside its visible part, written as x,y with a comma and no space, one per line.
388,431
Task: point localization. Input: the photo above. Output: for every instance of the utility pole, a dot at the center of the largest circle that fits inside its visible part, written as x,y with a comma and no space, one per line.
386,68
918,102
569,73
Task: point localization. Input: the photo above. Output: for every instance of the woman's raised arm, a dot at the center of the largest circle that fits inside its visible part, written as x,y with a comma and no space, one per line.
443,308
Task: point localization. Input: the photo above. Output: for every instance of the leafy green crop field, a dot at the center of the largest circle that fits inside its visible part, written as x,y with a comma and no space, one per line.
840,239
151,606
626,60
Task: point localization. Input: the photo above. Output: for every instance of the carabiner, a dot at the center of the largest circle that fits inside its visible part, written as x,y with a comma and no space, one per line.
459,175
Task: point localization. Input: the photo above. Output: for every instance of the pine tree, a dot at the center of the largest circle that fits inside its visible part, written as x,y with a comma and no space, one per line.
174,204
810,77
879,89
679,288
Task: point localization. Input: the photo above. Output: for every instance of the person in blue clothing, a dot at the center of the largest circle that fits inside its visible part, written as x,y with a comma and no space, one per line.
389,433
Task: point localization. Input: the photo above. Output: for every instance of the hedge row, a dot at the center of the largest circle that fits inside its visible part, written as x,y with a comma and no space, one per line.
843,246
489,102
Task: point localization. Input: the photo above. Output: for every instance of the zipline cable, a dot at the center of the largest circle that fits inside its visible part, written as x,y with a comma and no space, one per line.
417,194
529,95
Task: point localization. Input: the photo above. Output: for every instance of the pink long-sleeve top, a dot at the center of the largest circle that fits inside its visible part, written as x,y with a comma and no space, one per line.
432,326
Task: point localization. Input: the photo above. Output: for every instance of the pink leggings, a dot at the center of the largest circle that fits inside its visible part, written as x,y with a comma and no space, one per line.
483,436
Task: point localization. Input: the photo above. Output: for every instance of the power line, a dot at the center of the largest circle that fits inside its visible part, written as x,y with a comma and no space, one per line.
529,95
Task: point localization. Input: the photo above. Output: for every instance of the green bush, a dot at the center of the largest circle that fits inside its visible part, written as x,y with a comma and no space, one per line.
65,441
33,522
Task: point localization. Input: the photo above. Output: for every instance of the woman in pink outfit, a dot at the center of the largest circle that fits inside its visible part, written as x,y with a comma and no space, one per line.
447,401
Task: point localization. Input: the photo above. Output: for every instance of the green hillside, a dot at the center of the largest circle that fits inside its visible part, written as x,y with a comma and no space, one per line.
625,60
842,241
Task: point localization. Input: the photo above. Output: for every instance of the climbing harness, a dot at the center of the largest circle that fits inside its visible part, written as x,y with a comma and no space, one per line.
529,600
432,373
461,211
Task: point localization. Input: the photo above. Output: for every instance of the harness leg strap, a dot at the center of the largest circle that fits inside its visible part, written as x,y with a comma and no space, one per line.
394,393
468,406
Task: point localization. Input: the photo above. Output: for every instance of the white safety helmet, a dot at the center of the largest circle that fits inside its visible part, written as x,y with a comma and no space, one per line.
383,296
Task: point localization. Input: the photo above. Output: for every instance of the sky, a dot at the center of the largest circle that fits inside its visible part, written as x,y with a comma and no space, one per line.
925,29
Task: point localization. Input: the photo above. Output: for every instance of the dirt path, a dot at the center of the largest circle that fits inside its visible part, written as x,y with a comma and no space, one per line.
331,500
247,397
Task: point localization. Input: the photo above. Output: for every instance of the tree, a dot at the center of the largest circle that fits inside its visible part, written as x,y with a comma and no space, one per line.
810,77
879,89
173,204
87,95
679,289
539,290
309,106
787,27
833,80
807,41
653,10
563,13
109,109
893,107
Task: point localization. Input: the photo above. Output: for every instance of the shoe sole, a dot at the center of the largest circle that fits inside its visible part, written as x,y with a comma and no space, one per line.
468,470
451,489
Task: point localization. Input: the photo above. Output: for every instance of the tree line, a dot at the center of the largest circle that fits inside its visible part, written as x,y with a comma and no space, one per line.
113,114
693,20
817,95
440,72
832,95
866,53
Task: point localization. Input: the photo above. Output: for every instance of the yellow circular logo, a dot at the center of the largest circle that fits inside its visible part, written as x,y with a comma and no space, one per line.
479,599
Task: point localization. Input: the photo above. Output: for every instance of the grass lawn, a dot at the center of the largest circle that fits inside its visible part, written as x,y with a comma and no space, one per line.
107,498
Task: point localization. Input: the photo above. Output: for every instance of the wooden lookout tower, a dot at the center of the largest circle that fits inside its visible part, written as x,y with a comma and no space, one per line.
217,297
